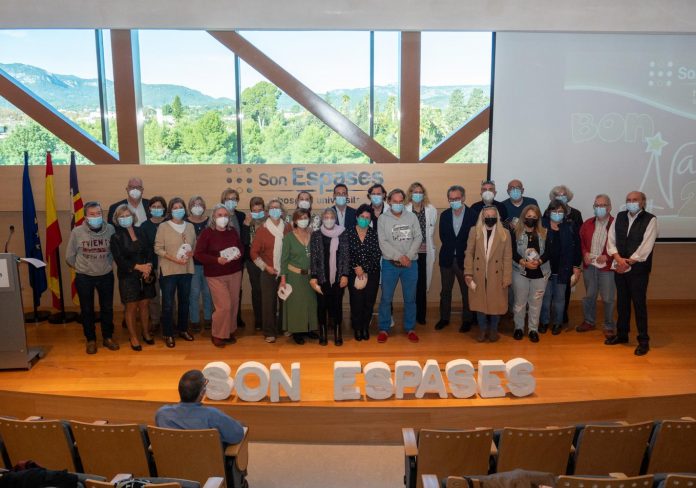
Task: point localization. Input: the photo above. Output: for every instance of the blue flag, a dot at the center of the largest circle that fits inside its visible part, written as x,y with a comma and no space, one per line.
32,242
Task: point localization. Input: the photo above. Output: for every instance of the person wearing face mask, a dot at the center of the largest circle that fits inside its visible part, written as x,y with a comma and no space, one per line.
488,193
597,273
174,244
199,285
253,221
455,223
230,199
223,272
364,258
516,203
134,255
377,193
345,214
89,254
304,201
565,256
158,206
630,242
300,308
400,239
530,270
488,271
329,273
134,199
417,201
266,251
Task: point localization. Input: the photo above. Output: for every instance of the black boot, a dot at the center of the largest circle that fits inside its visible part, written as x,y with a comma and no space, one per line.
322,335
338,335
366,334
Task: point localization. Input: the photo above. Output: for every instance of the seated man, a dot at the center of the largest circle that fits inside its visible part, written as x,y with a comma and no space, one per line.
191,414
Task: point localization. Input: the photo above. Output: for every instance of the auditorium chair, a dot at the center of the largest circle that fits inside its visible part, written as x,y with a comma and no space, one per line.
46,442
547,450
514,478
618,480
198,455
155,482
445,452
109,449
672,448
611,448
679,481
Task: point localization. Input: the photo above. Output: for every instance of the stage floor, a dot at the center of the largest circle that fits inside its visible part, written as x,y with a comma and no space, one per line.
578,379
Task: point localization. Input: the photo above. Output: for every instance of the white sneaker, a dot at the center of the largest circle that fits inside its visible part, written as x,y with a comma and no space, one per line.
270,339
391,325
287,333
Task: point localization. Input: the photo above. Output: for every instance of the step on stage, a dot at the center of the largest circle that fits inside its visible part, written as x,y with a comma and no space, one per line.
578,379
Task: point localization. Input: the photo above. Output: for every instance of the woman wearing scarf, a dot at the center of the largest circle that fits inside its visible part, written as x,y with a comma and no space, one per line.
266,250
329,270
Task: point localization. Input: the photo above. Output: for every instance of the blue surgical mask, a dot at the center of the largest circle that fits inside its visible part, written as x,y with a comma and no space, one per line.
179,213
397,208
557,217
600,212
633,207
455,204
125,221
258,215
157,212
275,213
341,201
562,198
417,197
376,199
230,204
95,222
515,194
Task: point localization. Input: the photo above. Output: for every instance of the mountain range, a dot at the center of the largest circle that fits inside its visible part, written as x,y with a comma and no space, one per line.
72,93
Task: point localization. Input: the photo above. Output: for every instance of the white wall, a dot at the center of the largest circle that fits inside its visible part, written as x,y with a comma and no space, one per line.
678,16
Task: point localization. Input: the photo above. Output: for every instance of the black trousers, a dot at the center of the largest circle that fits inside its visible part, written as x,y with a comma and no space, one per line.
255,280
632,288
330,304
362,302
269,304
104,285
447,277
422,287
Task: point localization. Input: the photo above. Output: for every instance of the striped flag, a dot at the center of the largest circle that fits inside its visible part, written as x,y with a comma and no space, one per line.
53,237
78,216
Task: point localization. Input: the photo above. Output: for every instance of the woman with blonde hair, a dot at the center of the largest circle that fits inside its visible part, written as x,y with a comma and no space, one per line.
488,271
417,201
531,270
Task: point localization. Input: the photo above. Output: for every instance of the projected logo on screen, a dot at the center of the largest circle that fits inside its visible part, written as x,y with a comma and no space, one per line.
660,74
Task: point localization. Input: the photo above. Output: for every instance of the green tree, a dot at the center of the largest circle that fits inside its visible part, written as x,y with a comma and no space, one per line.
177,108
310,146
29,137
456,113
260,102
207,139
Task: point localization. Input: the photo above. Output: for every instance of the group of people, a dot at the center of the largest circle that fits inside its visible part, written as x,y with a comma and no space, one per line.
507,257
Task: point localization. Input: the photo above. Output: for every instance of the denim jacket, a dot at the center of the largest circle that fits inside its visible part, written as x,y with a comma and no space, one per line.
521,243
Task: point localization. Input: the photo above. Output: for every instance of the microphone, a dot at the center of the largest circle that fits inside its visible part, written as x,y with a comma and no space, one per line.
9,237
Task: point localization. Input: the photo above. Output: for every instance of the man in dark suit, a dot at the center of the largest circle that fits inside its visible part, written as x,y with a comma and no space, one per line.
630,242
138,205
488,193
345,214
455,223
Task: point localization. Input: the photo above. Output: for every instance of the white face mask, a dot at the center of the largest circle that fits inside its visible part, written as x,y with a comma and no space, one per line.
329,223
135,194
488,196
197,210
222,222
305,204
302,224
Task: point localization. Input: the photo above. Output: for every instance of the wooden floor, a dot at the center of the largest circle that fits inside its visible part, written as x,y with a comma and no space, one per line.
578,379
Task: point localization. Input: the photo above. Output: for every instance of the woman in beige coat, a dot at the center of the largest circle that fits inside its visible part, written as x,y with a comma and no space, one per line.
488,271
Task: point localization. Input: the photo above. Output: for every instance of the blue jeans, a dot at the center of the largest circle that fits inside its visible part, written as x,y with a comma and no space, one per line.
488,321
554,302
390,277
602,282
179,284
199,286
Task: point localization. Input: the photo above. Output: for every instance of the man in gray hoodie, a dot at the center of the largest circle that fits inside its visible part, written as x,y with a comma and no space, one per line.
399,240
89,254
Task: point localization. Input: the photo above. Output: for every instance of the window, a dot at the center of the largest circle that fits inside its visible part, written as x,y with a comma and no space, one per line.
386,90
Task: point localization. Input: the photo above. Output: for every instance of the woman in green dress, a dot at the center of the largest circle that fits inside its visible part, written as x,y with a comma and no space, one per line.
300,308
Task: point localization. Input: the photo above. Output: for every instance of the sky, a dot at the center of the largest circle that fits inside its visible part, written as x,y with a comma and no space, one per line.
321,60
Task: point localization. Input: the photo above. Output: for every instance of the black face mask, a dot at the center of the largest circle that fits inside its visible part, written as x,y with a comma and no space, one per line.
531,222
490,221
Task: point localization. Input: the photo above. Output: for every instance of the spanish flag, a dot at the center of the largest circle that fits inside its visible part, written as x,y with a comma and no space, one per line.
53,237
78,216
